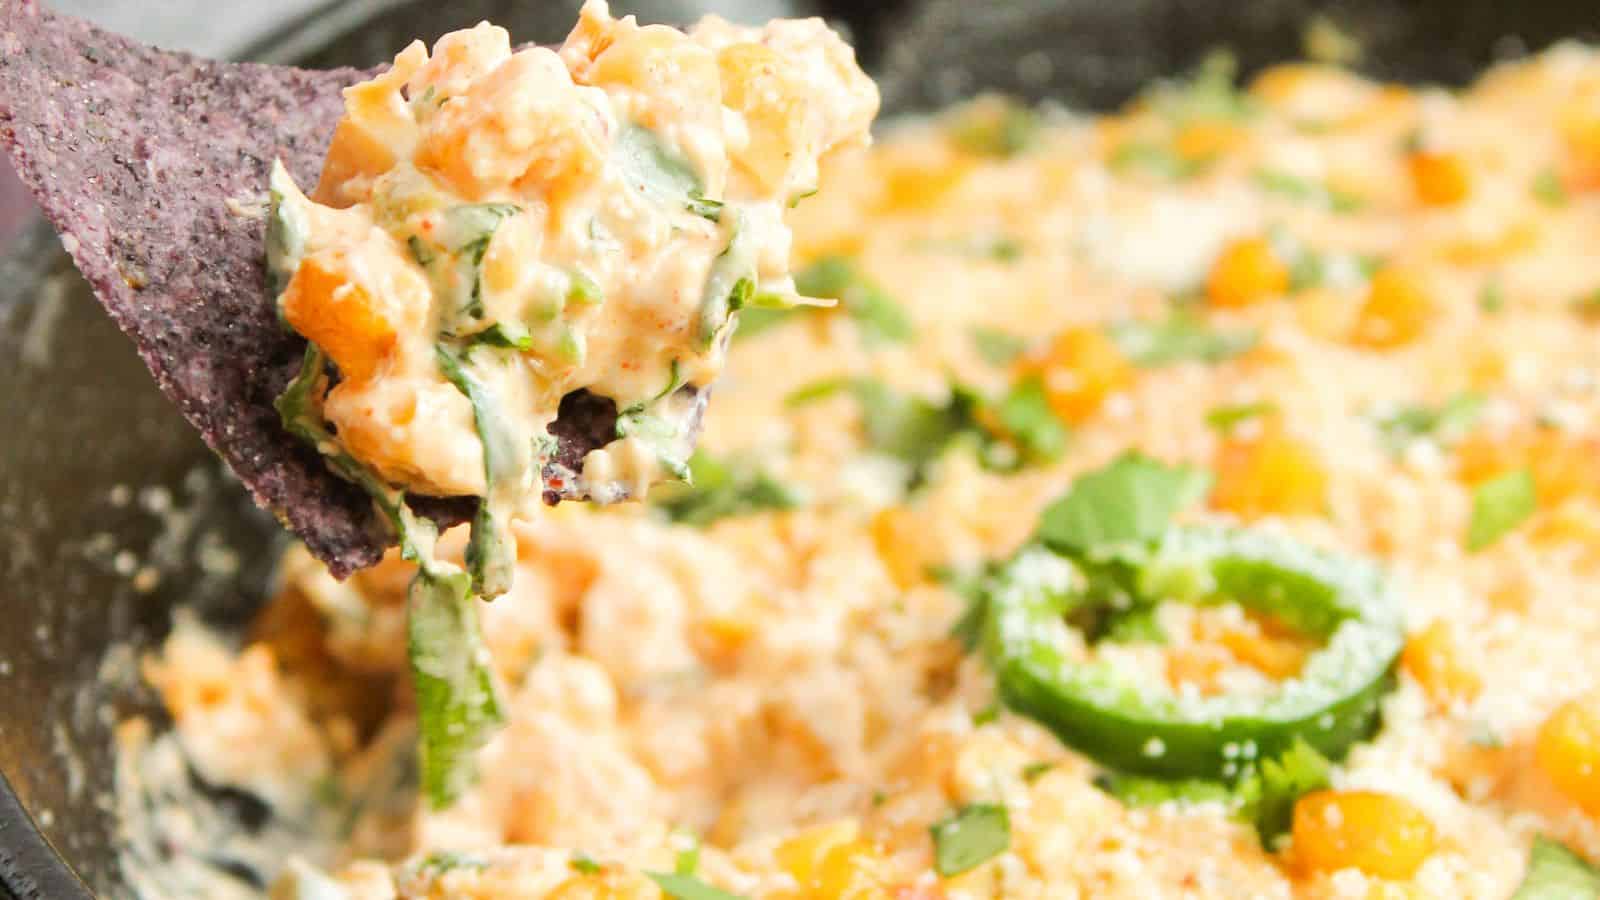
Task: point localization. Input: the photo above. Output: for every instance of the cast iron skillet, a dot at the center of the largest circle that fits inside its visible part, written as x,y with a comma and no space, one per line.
111,511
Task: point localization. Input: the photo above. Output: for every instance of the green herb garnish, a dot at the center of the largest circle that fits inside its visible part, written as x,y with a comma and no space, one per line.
918,431
1556,873
491,551
1027,419
1267,797
1499,505
443,861
1181,336
1492,299
1444,423
705,208
720,488
458,702
1155,159
997,347
653,168
688,887
584,865
876,314
1227,418
973,836
1000,128
464,231
1548,189
1034,770
1210,93
1125,504
1306,191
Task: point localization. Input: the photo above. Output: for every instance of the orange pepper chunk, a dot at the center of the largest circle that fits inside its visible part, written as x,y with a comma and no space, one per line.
1247,272
1434,657
1081,367
354,153
1580,131
1397,310
1272,474
1439,178
1380,834
1568,751
900,539
339,316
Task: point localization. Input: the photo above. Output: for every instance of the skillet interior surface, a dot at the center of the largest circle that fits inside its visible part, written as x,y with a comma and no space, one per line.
112,512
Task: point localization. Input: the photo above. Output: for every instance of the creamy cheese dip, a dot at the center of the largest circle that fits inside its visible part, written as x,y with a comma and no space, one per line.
586,217
1363,317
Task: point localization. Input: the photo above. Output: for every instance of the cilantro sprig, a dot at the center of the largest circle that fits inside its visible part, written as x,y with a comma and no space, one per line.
1556,873
1018,428
719,488
1499,505
971,837
1181,336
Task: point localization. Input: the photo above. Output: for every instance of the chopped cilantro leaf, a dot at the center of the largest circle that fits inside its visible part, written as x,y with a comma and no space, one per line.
688,887
973,836
999,128
1499,505
720,488
505,335
1128,502
1210,93
877,314
1306,191
1492,299
1266,798
1443,423
583,865
653,168
448,861
1181,336
997,347
1227,418
1026,416
705,208
1154,159
688,858
1548,189
1035,770
1556,873
918,431
1138,790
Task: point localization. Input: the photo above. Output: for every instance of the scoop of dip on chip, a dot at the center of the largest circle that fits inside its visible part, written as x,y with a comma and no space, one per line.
537,222
499,236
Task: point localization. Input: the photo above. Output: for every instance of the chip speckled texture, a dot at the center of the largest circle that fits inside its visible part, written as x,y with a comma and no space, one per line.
153,166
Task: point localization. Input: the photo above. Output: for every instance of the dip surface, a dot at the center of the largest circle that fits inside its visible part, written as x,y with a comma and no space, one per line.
1370,313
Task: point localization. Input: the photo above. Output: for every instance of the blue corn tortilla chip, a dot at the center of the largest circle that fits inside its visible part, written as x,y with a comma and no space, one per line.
153,167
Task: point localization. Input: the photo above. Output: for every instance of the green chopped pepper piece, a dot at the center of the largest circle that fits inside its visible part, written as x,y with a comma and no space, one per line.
1147,730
